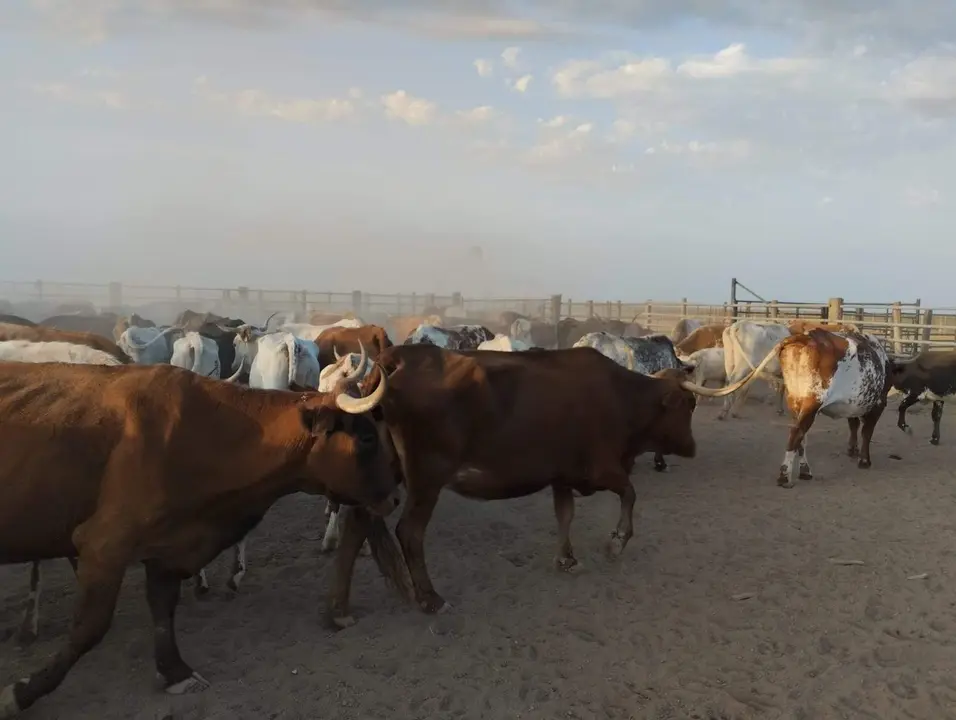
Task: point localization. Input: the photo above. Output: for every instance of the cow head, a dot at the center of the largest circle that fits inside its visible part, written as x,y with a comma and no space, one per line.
672,432
900,371
349,461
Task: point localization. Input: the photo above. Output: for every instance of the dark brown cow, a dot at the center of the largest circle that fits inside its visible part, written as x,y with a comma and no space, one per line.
345,339
190,320
928,376
706,336
497,425
134,320
161,466
16,320
101,325
571,330
39,333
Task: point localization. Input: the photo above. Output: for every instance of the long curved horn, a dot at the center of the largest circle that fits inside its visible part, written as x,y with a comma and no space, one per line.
363,361
335,351
265,328
721,392
235,376
163,334
357,406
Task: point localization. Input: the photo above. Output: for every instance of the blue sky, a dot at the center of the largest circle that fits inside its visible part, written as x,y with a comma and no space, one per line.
604,149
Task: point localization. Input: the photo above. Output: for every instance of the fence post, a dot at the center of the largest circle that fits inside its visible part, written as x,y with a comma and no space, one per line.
357,303
619,310
897,328
556,315
683,308
590,309
774,309
733,298
648,311
926,333
607,310
116,296
834,311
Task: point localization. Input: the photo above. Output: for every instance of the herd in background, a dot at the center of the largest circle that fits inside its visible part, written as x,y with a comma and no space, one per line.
495,410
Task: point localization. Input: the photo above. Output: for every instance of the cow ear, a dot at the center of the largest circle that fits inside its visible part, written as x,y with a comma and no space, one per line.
319,421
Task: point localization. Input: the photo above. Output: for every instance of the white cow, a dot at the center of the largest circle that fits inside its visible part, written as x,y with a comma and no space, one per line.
350,366
283,360
197,353
746,343
504,343
62,352
521,331
148,345
312,332
708,365
28,351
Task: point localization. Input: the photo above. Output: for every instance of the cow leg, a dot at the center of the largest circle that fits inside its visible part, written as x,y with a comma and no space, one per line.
99,577
798,432
734,400
781,391
905,404
238,565
354,535
869,424
804,472
853,449
162,593
660,464
564,513
410,530
332,535
29,628
937,417
621,484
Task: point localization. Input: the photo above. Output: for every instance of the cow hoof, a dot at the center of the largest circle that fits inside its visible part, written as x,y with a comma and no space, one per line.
864,464
341,622
907,429
806,474
934,441
615,546
434,605
193,684
567,564
785,482
721,417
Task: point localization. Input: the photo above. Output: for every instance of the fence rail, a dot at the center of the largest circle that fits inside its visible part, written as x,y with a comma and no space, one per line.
904,327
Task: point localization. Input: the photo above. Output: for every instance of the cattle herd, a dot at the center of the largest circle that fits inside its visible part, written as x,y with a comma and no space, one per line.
126,425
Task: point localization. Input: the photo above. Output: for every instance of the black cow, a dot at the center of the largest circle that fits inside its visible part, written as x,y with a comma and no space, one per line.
928,376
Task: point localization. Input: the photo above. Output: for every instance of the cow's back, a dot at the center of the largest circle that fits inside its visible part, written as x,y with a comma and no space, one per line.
39,333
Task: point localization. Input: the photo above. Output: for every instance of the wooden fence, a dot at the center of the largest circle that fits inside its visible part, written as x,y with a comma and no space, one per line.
905,327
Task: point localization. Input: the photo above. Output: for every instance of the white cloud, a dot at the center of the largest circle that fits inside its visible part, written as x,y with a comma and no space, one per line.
555,122
409,109
521,84
477,115
589,78
484,67
63,92
256,102
734,60
927,83
921,197
509,57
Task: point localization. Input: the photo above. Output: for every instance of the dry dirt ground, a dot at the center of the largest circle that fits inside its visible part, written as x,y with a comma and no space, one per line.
657,634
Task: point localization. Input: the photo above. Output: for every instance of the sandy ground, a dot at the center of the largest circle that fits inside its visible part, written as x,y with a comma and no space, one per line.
657,634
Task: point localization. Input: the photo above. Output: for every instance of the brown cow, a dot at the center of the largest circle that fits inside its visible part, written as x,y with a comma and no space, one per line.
498,425
345,339
799,327
158,465
326,318
403,325
706,336
571,330
40,333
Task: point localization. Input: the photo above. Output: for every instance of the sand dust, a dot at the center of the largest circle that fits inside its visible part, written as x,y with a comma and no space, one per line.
728,603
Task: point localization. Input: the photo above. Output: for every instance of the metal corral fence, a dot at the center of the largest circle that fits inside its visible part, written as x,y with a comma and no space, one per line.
905,327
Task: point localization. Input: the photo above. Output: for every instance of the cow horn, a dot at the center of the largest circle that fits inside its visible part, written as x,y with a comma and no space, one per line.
163,334
335,351
265,328
721,392
357,372
357,406
235,376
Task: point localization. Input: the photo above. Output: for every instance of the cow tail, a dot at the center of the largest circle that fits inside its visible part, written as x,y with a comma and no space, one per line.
740,350
388,558
293,360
